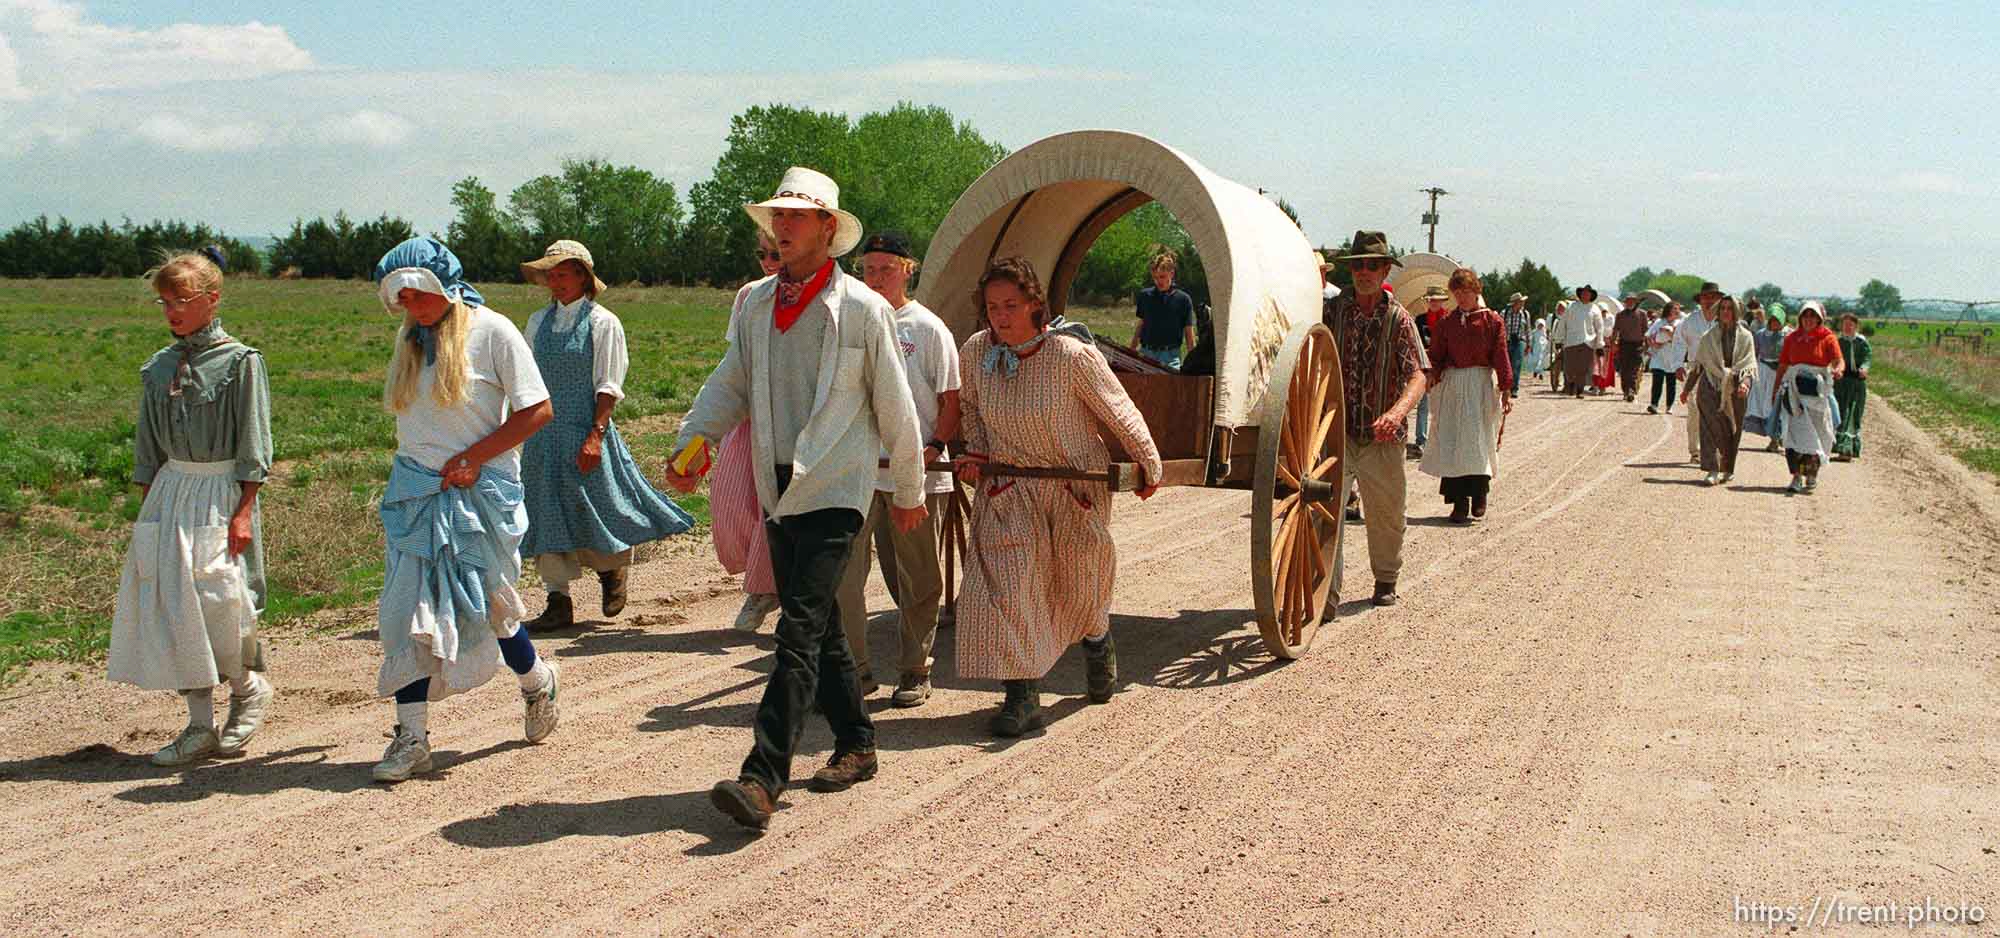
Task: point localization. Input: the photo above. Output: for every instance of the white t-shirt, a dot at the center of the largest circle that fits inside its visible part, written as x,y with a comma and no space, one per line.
1669,356
930,364
504,379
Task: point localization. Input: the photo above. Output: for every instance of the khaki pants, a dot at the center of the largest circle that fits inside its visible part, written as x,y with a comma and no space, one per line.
558,569
919,582
1694,413
1378,469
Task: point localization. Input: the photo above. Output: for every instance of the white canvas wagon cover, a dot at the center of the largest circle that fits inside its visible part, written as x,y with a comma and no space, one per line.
1051,199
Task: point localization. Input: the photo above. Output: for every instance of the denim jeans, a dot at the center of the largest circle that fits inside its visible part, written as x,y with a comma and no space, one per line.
1424,419
808,554
1517,349
1168,355
1669,378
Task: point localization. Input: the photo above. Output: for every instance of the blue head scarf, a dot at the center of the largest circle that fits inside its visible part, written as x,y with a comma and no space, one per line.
429,254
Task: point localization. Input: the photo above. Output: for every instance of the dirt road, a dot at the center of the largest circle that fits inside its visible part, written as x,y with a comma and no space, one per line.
1624,704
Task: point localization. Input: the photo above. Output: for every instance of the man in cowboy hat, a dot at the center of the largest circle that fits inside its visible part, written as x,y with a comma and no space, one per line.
588,501
1382,379
909,558
813,363
1516,318
1688,336
1583,335
1628,331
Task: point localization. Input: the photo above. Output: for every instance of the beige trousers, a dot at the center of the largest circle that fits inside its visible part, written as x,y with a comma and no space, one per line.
1378,468
919,581
557,569
1694,414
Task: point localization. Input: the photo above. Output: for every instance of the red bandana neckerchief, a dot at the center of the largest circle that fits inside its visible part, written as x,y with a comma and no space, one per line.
793,297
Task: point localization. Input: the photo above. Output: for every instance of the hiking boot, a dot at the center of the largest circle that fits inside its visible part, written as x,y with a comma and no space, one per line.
408,754
246,715
612,583
194,743
560,614
1479,506
1414,451
1385,594
542,711
756,608
1712,478
844,770
1100,669
746,800
1021,712
912,690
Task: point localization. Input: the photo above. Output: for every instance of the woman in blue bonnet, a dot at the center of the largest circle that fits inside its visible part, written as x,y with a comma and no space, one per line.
193,583
1035,393
465,391
588,501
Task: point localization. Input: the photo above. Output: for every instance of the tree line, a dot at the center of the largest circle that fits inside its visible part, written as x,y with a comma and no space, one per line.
1874,298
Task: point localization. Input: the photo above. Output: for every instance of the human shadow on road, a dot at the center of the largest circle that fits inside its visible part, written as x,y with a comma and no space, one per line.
1654,480
1676,464
1436,521
653,639
521,825
1761,489
286,771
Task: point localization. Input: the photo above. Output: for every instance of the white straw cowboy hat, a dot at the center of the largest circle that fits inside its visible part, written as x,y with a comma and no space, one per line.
536,271
810,189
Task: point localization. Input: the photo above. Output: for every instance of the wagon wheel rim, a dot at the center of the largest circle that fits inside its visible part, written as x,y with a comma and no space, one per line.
1295,544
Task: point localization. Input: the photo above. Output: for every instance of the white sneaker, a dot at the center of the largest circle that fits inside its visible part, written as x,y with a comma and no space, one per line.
246,715
1712,478
543,713
193,743
1812,482
1727,476
408,754
756,607
1797,485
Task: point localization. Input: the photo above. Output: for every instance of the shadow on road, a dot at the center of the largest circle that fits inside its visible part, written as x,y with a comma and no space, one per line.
520,825
1651,480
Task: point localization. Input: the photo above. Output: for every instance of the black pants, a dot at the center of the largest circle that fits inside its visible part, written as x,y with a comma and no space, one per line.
808,554
1628,369
1669,378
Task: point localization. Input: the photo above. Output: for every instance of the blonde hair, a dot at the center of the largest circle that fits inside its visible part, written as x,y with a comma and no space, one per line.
185,270
1164,257
406,369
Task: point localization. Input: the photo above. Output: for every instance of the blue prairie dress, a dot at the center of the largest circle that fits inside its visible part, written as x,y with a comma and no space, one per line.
611,508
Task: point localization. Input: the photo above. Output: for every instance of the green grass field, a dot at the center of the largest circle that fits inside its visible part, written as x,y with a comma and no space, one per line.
1950,388
70,389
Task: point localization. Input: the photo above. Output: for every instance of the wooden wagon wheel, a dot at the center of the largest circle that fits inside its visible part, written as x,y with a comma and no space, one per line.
1296,511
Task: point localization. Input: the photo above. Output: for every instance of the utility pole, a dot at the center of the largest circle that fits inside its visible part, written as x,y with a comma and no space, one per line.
1431,217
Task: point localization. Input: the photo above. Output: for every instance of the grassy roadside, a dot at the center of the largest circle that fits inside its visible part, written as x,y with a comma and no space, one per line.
1966,422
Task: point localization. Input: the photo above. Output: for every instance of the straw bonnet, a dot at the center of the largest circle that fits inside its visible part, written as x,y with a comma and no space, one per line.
536,271
810,189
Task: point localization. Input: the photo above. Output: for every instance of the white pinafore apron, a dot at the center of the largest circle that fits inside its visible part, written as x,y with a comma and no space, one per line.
185,617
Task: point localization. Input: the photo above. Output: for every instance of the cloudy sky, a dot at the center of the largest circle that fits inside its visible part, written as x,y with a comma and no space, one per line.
1810,144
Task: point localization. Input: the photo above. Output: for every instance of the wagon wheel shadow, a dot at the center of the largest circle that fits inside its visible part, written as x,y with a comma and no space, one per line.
1226,661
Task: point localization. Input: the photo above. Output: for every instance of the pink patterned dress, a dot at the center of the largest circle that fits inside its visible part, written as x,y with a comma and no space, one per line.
736,520
1041,561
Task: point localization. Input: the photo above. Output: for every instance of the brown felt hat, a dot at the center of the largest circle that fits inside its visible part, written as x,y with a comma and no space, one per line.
1369,244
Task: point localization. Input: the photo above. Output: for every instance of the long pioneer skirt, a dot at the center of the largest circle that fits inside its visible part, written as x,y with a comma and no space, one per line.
1579,361
185,617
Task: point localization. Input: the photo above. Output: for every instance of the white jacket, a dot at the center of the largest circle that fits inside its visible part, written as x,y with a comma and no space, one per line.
861,404
1581,325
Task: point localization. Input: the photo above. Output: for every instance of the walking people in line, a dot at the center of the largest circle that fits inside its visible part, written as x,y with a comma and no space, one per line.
1850,391
1583,335
1628,331
589,503
1808,366
812,364
1516,318
1044,562
1726,363
1763,415
1691,329
1470,375
1382,381
909,558
736,520
193,581
1667,356
1166,325
466,393
1537,361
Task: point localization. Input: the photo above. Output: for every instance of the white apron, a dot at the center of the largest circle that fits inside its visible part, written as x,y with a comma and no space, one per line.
185,618
1760,408
1809,420
1465,414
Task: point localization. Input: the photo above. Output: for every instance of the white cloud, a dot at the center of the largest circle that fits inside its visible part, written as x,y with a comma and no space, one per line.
1932,182
63,52
368,127
11,88
198,136
973,72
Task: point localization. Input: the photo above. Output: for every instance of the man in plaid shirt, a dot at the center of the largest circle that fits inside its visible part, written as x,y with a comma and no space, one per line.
1516,318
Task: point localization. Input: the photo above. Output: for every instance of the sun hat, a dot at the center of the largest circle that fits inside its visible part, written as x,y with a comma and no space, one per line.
1593,292
423,264
536,271
1435,292
1517,297
810,189
1369,244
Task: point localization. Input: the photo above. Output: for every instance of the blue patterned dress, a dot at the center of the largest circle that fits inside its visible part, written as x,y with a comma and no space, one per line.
611,508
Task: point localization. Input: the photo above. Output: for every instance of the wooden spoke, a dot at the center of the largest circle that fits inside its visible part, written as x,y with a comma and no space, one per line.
1293,552
1320,471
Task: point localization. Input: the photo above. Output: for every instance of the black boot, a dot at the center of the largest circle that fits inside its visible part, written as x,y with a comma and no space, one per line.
1021,712
1100,668
559,615
1461,511
612,584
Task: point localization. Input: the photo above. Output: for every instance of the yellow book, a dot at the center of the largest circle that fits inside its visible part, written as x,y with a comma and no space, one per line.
697,447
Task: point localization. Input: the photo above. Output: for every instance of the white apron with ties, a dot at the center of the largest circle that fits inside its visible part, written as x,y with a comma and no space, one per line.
185,617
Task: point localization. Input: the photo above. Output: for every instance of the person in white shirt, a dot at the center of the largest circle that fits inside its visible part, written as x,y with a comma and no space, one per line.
1667,355
1582,335
813,365
909,558
1689,334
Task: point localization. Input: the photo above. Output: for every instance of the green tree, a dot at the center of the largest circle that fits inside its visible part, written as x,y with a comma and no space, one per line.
1879,299
1766,293
1639,279
628,217
763,142
1681,287
488,241
1542,288
906,166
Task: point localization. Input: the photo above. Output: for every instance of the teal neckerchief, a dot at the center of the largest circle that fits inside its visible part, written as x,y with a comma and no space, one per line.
1005,360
